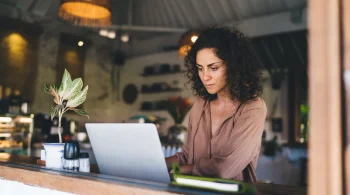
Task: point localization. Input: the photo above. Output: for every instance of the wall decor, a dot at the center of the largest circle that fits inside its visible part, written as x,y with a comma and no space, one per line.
130,93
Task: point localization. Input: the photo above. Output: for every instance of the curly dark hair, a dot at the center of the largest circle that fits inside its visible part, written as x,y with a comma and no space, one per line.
235,50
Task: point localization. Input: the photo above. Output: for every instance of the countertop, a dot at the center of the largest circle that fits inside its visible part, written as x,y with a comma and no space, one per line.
26,170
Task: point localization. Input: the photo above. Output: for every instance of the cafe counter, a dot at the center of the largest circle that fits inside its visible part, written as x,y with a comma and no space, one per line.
25,170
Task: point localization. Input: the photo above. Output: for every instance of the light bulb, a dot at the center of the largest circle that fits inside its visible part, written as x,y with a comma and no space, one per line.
80,43
111,35
103,32
124,38
194,38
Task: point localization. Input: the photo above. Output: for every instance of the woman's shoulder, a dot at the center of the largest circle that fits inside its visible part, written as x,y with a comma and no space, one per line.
197,107
256,103
199,103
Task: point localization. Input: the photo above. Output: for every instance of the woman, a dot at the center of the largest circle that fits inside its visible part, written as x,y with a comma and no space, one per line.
226,121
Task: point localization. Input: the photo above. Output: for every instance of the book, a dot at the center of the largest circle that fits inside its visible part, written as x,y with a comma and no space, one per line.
210,183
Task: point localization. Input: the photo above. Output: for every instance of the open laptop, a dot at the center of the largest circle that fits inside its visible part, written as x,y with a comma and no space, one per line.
128,150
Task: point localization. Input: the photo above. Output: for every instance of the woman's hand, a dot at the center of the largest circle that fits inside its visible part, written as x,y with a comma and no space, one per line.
184,169
170,160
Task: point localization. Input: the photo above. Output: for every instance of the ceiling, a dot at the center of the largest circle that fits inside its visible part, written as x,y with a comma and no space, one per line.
148,18
280,52
195,13
145,19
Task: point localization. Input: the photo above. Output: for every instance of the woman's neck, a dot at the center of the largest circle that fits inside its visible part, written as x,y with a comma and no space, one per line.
224,98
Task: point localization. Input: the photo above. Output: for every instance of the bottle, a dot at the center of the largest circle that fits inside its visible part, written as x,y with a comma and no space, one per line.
25,107
4,104
71,156
15,102
84,163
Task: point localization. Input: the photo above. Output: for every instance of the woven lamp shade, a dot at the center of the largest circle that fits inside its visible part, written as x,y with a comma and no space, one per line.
92,13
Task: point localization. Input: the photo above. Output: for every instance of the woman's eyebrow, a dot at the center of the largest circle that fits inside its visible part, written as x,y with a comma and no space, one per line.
208,64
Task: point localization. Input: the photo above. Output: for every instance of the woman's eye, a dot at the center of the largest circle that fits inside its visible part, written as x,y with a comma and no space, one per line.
200,69
214,69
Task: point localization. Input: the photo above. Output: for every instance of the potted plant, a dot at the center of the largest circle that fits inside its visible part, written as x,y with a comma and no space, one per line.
177,108
67,97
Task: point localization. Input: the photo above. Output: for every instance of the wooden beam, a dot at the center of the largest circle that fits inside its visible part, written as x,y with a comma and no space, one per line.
346,78
325,149
294,101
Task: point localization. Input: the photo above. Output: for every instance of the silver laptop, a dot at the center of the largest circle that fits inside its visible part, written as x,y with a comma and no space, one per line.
128,150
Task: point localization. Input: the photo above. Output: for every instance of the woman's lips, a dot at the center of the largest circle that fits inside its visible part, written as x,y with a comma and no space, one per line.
209,85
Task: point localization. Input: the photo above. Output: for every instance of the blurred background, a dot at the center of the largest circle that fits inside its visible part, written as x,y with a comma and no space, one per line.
130,53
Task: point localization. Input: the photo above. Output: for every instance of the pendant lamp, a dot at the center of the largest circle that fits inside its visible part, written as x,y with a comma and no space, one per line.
90,13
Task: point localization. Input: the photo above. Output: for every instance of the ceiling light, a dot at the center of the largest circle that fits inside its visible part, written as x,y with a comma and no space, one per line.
91,13
194,38
111,35
186,41
80,43
103,32
125,38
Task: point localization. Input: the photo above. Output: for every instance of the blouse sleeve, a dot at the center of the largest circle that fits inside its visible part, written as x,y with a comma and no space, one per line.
182,156
241,148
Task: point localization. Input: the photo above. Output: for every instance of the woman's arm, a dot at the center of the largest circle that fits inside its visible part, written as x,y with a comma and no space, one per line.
241,148
181,157
170,160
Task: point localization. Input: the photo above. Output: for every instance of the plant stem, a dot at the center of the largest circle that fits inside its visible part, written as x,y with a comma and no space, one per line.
59,126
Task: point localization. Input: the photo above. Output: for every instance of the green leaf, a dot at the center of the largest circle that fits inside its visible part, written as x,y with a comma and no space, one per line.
80,112
65,83
56,100
52,90
74,89
47,89
78,99
54,111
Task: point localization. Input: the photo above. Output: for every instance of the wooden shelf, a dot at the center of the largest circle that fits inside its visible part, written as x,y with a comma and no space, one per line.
154,110
163,91
160,74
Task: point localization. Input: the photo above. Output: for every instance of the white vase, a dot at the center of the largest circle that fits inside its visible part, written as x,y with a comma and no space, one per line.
54,155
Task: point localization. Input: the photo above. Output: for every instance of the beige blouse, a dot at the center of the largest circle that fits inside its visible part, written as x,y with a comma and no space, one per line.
232,152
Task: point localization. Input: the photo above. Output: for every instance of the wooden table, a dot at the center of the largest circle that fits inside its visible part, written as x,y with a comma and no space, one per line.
24,169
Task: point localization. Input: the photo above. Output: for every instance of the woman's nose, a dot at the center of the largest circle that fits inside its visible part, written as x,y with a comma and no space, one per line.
206,75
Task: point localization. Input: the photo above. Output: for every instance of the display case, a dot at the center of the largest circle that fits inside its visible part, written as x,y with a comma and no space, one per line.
16,134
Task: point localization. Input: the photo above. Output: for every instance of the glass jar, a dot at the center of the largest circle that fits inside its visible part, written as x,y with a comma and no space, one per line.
84,162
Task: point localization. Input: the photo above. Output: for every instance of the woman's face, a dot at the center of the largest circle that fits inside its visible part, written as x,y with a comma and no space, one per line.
211,70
